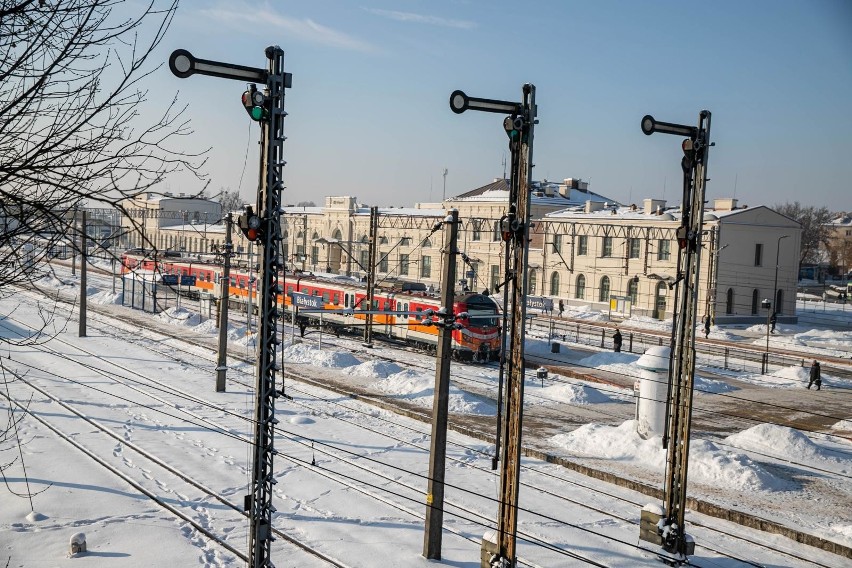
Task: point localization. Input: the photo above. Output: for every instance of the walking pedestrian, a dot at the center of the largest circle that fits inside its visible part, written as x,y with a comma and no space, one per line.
772,319
561,307
816,379
706,327
616,341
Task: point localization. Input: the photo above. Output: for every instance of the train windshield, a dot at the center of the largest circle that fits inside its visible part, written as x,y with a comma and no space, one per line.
483,317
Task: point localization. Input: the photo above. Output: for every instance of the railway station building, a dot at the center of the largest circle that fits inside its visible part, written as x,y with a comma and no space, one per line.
585,250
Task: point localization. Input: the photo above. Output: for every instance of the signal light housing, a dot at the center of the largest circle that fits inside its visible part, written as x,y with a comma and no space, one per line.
250,224
255,103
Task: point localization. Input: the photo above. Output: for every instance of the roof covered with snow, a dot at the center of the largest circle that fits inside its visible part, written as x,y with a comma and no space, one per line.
543,193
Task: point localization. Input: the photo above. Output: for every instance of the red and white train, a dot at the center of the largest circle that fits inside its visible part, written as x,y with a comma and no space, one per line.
476,337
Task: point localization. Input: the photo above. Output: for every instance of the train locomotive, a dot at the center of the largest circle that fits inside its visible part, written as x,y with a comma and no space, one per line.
401,316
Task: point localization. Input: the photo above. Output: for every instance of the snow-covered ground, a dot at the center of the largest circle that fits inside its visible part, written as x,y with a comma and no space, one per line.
79,496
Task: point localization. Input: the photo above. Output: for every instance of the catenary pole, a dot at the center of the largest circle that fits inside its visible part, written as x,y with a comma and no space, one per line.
438,450
83,284
224,294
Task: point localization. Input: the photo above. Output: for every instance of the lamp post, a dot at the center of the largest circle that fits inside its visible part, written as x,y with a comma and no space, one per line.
775,285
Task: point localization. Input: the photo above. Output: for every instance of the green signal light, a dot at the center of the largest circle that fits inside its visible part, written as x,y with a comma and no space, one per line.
257,113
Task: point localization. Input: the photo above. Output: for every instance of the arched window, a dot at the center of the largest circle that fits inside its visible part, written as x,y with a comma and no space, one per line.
496,234
383,240
755,301
603,295
337,235
580,291
532,282
729,302
633,290
554,284
365,239
477,230
427,243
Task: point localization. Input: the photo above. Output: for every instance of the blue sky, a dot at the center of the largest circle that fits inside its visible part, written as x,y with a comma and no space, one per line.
369,113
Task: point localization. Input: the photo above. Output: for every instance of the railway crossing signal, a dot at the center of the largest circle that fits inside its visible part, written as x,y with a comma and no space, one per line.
668,530
268,109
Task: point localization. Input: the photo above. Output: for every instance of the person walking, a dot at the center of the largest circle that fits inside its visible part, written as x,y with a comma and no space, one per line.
816,379
561,307
616,341
706,327
772,320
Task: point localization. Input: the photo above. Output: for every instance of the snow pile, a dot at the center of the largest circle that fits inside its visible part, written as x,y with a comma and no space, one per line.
179,316
563,392
625,364
785,443
621,363
842,425
787,377
302,353
104,297
708,464
51,281
375,368
419,389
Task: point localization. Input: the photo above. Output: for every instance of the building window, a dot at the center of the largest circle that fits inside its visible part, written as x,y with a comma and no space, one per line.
729,302
755,301
532,282
557,243
426,243
554,284
580,291
425,267
634,247
633,290
495,236
365,260
314,255
607,247
405,242
582,245
477,230
495,276
603,295
663,249
383,264
403,265
758,254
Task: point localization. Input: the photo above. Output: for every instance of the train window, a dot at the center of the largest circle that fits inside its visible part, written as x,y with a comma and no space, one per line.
336,298
345,300
314,292
289,290
325,297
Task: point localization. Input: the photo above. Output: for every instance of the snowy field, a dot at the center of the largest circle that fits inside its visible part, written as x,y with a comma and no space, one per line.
73,494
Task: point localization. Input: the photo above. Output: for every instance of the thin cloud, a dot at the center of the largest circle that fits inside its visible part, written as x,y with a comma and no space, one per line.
304,29
422,19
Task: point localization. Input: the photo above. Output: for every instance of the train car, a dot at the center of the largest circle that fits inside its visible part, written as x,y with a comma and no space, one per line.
407,316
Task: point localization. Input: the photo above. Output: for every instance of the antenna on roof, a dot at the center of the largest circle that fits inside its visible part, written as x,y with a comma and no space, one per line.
445,183
504,165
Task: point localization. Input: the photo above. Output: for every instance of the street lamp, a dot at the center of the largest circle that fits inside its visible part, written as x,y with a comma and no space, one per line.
775,285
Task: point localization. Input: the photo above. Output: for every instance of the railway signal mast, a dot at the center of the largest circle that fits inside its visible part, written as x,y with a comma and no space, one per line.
669,529
267,108
515,229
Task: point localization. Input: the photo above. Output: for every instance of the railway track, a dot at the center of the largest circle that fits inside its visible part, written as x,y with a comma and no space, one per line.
632,504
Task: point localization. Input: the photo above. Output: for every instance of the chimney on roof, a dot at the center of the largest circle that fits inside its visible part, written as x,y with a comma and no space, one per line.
725,204
653,206
592,206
